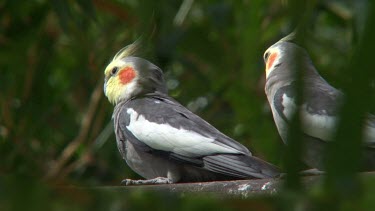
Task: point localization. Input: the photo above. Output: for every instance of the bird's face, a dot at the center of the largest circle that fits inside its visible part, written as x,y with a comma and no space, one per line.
120,80
273,58
127,77
284,57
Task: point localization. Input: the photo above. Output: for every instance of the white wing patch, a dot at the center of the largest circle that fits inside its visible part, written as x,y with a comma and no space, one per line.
369,134
289,106
323,126
320,126
167,138
315,125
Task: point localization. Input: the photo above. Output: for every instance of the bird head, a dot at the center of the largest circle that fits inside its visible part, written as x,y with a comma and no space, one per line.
272,58
281,57
127,76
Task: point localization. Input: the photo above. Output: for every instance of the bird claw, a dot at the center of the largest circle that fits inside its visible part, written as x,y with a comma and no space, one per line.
155,181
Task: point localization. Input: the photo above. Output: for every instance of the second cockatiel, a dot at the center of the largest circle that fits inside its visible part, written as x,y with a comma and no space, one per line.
319,107
163,141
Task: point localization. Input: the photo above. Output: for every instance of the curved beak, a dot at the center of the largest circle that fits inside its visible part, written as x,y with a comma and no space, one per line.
105,87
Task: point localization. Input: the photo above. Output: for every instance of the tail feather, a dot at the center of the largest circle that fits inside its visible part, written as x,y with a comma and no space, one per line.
240,166
212,165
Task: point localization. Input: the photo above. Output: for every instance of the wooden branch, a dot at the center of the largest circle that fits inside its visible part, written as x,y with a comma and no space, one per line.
236,188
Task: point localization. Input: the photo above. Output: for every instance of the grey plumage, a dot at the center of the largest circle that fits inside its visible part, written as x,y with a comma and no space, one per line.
160,138
319,107
206,167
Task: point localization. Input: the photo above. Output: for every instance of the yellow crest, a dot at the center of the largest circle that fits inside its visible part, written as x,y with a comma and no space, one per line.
128,50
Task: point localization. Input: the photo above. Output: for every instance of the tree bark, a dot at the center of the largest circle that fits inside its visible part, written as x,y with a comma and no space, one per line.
236,188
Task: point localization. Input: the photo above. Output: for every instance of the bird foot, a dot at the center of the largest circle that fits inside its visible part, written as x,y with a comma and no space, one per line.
155,181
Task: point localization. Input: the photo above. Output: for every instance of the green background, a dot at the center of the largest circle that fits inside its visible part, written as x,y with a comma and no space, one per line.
55,122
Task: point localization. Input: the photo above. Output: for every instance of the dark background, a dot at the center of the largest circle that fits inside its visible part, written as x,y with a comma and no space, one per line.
55,122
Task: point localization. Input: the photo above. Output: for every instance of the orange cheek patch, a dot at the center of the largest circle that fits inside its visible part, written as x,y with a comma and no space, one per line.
126,75
271,60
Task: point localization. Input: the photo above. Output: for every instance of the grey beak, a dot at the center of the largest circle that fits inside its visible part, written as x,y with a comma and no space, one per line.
105,87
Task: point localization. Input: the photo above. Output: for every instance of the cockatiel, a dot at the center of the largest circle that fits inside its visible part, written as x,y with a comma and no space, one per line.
163,141
319,107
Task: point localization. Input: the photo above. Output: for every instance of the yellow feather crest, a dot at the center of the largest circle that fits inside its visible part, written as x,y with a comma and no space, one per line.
128,50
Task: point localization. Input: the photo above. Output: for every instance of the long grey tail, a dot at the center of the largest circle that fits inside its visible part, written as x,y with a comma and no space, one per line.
240,166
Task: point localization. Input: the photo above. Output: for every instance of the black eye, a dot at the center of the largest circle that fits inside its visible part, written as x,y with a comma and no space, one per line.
114,71
266,55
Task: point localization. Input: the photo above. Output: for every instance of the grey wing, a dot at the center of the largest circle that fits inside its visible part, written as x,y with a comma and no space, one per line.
170,112
318,111
212,151
122,120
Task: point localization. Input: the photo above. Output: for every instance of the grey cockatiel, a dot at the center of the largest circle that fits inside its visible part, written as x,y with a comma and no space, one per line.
163,141
319,107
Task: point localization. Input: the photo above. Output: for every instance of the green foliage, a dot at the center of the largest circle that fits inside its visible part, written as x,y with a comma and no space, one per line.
55,123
